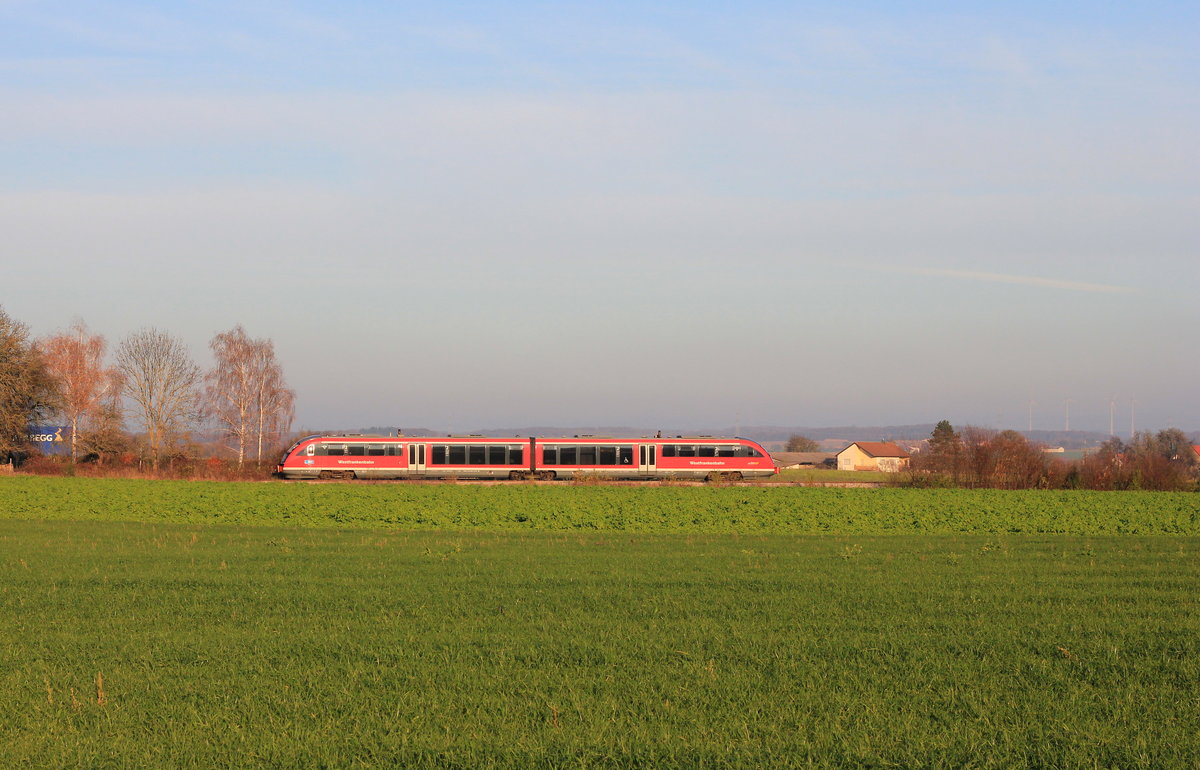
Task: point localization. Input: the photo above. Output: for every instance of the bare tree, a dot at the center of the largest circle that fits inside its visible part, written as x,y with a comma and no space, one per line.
231,387
245,393
276,403
161,379
27,391
798,443
75,359
1019,464
105,434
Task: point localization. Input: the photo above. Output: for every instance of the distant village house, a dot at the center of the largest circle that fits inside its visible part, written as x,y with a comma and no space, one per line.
872,456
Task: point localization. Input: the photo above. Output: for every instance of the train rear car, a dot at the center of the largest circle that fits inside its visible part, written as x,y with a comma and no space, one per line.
400,457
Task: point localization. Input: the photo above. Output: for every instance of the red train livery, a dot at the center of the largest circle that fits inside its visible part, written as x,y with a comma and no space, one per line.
350,456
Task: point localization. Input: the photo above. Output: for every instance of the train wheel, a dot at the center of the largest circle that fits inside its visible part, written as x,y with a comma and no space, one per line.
516,475
348,475
735,476
712,476
547,475
325,475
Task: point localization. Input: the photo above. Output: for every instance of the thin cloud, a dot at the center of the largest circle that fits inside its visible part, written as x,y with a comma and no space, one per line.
1023,280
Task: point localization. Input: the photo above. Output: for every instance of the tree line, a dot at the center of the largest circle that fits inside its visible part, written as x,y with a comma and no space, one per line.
150,379
980,457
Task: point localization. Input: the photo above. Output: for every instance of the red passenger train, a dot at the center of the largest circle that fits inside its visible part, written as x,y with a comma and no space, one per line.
350,456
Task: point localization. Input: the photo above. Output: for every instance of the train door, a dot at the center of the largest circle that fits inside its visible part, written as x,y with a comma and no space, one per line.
416,459
647,464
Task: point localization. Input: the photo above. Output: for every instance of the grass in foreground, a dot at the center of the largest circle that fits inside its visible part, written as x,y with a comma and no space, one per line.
285,646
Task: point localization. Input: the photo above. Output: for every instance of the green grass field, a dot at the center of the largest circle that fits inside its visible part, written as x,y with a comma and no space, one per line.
183,642
669,509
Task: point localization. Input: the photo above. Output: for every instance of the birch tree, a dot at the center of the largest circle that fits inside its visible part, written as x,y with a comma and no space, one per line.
161,380
246,394
75,359
231,388
276,402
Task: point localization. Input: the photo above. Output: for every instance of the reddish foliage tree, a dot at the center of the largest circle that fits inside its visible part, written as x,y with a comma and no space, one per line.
75,359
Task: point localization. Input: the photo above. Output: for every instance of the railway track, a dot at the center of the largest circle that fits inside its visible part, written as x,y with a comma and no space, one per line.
569,483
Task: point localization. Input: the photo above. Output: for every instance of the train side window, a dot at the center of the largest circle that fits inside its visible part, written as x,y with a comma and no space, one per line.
356,450
516,455
587,455
550,455
437,455
476,455
458,455
725,450
607,455
687,450
708,451
334,450
497,455
625,455
567,455
376,450
753,452
668,450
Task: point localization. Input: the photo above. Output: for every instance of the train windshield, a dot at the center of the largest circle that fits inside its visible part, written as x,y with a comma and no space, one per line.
292,448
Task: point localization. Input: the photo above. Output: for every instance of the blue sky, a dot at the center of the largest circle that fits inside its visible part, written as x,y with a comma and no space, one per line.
479,215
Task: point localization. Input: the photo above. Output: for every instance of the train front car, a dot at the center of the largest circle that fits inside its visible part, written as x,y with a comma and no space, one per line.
712,458
344,457
291,464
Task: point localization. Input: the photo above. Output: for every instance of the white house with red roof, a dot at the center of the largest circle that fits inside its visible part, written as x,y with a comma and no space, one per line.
872,456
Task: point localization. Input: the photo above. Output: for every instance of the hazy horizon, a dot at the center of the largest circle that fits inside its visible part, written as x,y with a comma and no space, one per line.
465,216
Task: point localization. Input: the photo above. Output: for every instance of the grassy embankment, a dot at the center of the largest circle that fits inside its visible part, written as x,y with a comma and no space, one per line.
827,476
183,642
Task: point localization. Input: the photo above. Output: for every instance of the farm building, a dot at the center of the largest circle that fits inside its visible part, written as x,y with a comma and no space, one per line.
872,456
793,460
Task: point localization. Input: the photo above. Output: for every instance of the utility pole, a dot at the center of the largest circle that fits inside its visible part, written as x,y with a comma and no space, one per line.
1112,411
1067,427
1032,404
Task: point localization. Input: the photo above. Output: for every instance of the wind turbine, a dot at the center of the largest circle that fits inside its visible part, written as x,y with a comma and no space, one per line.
1032,404
1067,427
1112,410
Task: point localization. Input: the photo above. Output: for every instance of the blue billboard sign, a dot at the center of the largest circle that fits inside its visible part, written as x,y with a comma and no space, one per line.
51,439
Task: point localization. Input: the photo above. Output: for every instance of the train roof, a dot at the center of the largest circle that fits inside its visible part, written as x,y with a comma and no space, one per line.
480,437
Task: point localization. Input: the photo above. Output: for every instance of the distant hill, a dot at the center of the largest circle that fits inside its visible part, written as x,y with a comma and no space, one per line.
758,432
830,438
